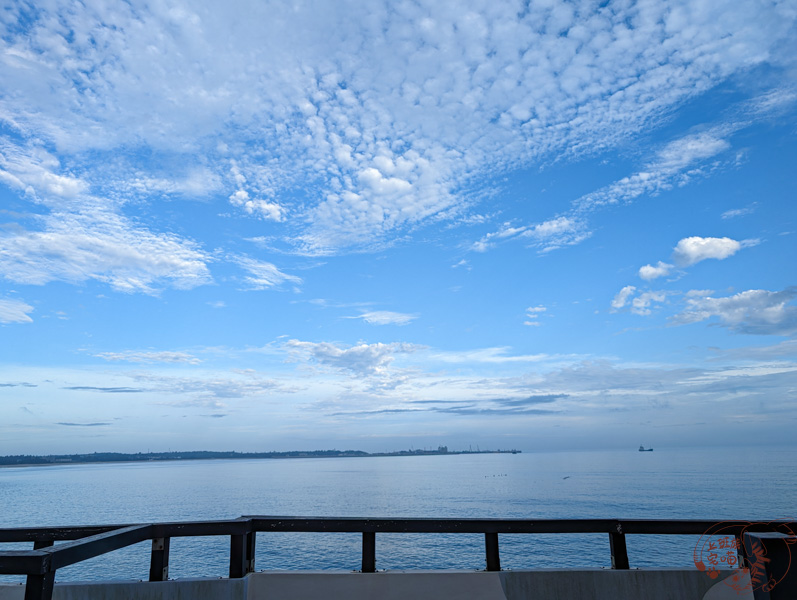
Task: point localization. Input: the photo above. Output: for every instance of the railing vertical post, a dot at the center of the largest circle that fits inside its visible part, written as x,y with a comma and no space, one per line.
491,551
237,556
251,540
40,587
369,552
619,550
159,560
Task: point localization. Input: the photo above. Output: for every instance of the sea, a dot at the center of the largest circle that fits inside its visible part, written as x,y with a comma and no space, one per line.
756,484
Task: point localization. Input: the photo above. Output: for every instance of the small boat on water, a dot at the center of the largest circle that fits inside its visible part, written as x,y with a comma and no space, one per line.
643,449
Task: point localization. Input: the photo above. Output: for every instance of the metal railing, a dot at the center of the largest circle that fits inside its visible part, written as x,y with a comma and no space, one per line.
83,543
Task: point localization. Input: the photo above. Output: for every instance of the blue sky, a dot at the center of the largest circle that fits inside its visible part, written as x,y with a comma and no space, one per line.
377,225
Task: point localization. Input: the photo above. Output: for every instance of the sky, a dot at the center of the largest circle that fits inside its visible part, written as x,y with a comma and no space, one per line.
375,225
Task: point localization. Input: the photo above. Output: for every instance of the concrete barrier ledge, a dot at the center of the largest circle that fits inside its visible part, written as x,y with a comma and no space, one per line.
553,584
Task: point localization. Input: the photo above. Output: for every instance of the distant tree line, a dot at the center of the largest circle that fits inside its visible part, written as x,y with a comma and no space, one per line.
96,457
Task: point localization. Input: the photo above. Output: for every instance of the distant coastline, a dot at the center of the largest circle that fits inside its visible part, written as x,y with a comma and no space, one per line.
28,460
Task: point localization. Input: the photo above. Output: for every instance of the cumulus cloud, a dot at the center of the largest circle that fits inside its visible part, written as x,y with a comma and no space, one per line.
261,208
378,121
386,317
641,304
621,299
649,272
15,311
361,359
264,275
150,357
759,312
693,249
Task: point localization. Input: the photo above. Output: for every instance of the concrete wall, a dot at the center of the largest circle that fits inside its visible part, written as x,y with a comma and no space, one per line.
597,584
181,589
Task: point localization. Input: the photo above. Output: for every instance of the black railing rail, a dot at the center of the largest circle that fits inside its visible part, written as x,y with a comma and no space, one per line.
82,543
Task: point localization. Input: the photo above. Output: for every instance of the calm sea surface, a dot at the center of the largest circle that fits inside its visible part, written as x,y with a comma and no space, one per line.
714,484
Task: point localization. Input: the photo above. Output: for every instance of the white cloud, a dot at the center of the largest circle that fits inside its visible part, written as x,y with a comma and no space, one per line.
641,305
264,275
103,246
498,355
621,299
548,235
361,359
378,119
775,101
261,208
649,272
738,212
31,170
694,249
694,293
760,312
674,165
197,182
82,237
386,317
210,389
676,156
150,357
15,311
532,315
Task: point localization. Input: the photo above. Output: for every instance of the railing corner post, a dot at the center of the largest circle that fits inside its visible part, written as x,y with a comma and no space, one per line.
237,556
40,587
251,542
159,559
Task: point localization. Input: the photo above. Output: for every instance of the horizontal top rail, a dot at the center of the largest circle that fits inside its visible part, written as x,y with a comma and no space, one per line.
57,534
76,551
264,523
431,525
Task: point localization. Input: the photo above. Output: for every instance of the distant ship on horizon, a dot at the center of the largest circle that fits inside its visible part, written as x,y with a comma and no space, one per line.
643,449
